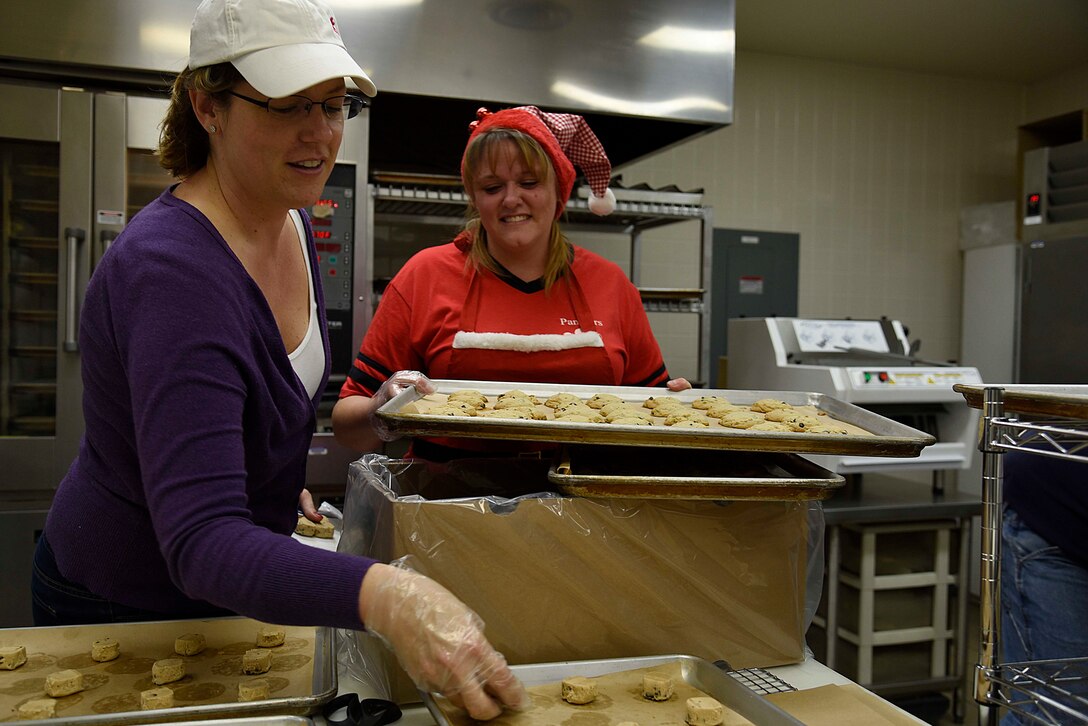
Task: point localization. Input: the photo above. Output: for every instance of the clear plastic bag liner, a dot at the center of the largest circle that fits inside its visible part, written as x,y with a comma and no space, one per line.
559,578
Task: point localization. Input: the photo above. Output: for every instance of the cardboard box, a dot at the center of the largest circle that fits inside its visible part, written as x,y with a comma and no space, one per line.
558,578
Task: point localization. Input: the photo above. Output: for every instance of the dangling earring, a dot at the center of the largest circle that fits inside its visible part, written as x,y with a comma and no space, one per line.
211,129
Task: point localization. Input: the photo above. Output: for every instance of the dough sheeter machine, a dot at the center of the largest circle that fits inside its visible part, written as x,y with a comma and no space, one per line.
870,364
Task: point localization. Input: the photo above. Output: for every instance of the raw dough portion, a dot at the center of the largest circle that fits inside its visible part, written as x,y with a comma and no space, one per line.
190,643
657,687
105,650
152,698
12,657
579,690
305,527
270,636
254,690
63,683
38,708
256,661
324,529
704,711
167,670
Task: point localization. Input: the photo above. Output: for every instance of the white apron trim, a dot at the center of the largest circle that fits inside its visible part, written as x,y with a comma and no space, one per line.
527,343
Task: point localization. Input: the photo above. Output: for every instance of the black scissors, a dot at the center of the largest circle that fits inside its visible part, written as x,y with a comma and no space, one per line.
365,712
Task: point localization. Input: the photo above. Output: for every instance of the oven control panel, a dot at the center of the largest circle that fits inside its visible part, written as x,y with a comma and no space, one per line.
912,377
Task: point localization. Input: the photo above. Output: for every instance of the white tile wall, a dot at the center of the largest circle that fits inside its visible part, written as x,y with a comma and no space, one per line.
869,166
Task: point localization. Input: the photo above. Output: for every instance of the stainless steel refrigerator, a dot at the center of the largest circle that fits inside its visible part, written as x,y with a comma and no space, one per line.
1053,339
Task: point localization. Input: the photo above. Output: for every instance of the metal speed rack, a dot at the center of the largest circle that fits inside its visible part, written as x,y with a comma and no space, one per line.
1058,428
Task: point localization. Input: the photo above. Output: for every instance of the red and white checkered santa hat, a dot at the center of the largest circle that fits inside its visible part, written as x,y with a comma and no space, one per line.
568,141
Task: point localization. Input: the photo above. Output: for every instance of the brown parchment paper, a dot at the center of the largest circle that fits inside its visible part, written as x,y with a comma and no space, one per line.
212,676
559,578
619,698
840,705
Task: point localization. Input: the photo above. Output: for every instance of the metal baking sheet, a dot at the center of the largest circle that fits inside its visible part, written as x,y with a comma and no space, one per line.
696,672
1042,400
883,437
641,473
248,721
303,672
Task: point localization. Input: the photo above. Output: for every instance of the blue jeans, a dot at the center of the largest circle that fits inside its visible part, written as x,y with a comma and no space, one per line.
1044,601
56,600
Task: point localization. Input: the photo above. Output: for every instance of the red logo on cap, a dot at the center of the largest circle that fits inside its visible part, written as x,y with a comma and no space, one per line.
334,28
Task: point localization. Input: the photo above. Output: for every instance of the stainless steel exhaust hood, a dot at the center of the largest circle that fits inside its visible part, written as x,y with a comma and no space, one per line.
647,73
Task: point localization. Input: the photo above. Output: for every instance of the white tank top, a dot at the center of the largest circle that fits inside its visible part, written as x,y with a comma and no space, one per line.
308,359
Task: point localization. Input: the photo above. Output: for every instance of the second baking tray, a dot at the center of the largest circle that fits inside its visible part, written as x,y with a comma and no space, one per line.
881,436
641,473
695,672
303,674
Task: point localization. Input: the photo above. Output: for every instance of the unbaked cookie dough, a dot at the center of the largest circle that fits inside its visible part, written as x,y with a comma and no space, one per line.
105,649
256,661
63,683
167,670
12,657
657,687
190,643
270,636
579,690
704,711
152,698
38,708
254,690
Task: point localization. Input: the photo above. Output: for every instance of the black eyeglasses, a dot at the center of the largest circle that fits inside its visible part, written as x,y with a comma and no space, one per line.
337,108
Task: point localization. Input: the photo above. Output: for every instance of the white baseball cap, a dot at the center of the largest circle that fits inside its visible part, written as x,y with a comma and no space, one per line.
279,46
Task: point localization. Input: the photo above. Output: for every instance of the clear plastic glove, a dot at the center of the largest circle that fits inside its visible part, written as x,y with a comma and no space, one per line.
439,641
393,385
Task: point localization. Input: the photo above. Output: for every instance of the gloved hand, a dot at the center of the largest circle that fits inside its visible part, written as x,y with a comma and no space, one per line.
439,641
393,385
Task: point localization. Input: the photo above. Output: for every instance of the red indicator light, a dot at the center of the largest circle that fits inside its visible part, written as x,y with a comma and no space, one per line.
332,271
322,234
884,377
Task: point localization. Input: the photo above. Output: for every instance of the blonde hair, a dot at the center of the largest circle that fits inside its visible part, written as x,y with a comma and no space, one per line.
183,142
482,153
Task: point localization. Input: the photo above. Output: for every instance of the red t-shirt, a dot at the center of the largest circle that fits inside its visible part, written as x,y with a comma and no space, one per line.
420,312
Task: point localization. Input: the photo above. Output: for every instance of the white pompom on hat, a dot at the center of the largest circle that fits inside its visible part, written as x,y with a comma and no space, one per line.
568,140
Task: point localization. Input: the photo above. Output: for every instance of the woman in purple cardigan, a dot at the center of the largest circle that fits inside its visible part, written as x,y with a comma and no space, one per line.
204,351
